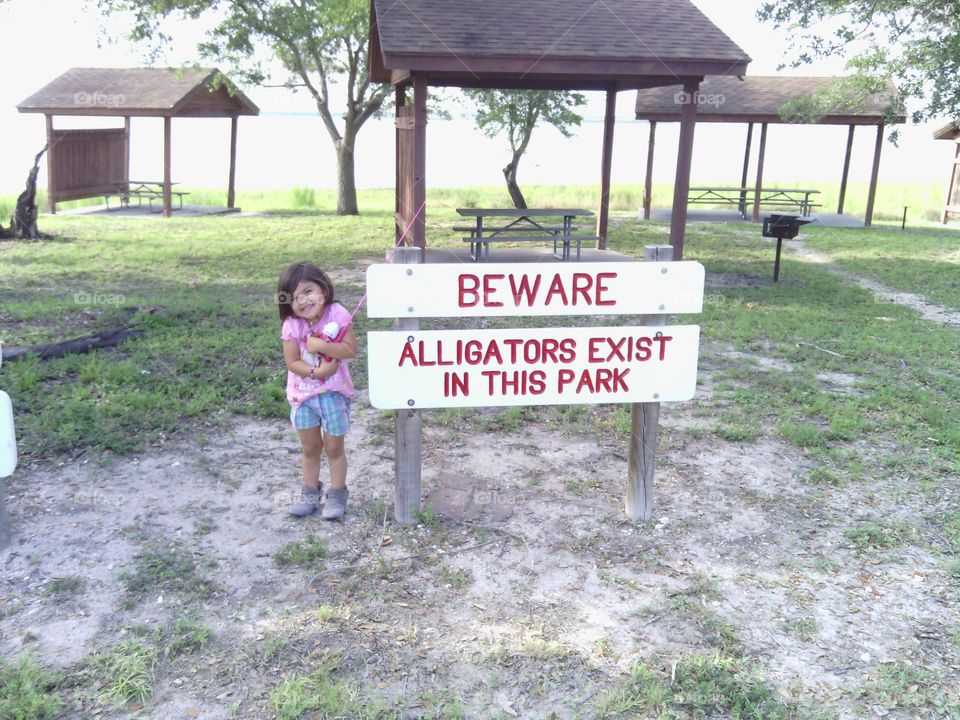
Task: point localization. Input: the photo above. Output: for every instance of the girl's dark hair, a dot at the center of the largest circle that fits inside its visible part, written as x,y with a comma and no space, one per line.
293,276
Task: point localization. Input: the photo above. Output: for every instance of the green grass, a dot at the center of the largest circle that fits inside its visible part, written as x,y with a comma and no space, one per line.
322,694
906,687
127,672
163,569
701,687
209,351
62,588
28,692
874,535
304,554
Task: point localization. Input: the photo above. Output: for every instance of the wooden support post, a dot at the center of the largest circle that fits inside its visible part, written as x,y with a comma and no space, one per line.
681,186
742,205
609,120
400,100
51,200
408,428
167,197
644,421
420,161
954,172
231,181
126,153
648,182
759,185
846,170
874,175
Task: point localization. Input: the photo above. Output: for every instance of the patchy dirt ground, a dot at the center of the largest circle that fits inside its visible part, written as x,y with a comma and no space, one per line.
536,614
536,603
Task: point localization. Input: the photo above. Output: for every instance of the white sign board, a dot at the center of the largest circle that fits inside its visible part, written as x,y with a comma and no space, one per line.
546,366
514,289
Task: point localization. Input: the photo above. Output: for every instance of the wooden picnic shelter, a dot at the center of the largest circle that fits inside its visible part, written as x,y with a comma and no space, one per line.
759,99
951,131
540,44
83,163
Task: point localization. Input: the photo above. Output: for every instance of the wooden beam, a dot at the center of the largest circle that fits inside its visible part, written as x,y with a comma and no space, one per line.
609,120
644,422
874,175
420,161
167,139
408,426
648,181
231,182
954,170
759,184
400,99
846,170
681,186
746,167
51,185
126,152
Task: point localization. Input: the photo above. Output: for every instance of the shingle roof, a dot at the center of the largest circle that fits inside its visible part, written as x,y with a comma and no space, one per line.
138,91
756,98
950,131
638,37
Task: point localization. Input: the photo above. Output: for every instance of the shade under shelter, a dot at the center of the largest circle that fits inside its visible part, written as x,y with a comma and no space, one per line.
540,44
951,131
759,99
93,162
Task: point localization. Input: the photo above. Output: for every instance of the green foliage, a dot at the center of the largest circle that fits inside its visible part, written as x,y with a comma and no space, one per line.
317,42
187,636
902,686
914,43
515,114
27,691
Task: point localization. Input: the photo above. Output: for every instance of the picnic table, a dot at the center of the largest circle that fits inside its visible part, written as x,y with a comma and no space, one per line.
522,225
140,189
795,198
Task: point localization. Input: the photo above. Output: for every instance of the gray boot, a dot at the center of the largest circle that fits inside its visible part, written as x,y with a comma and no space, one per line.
336,504
308,503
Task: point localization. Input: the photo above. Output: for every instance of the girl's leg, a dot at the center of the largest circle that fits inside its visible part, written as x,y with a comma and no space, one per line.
311,440
337,459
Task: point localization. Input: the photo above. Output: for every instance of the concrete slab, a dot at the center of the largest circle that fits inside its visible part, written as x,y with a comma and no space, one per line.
500,254
732,216
144,211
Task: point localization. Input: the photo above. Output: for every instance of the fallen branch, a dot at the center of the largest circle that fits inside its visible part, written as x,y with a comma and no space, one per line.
83,344
817,347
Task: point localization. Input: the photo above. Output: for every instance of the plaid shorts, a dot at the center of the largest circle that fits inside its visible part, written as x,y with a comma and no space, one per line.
330,410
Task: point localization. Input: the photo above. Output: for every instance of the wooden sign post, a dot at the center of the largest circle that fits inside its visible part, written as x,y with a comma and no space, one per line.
644,364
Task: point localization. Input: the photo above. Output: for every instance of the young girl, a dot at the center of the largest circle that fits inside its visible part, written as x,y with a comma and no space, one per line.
319,389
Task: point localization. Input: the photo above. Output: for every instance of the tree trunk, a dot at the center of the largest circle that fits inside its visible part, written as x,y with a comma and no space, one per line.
346,181
510,173
23,224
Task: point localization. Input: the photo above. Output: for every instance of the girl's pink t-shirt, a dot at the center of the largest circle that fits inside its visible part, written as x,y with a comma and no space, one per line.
295,329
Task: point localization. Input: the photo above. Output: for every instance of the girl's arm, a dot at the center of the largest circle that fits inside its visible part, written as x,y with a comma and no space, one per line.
291,355
346,349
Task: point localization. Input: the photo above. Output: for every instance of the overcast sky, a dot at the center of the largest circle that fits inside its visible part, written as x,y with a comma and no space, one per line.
286,145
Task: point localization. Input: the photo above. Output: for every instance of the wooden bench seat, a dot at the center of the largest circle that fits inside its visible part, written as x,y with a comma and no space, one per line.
563,240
